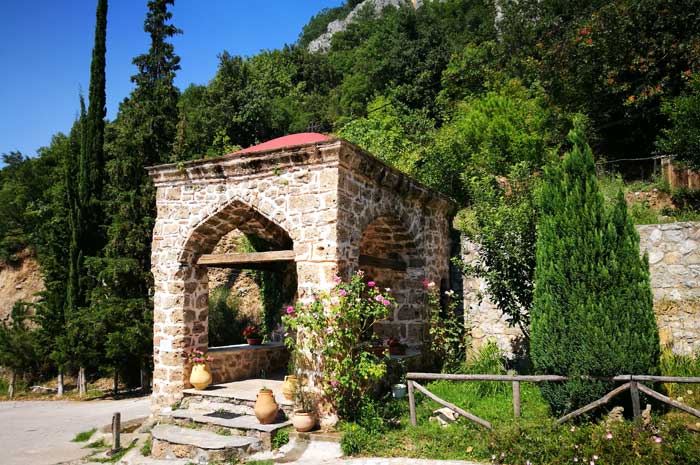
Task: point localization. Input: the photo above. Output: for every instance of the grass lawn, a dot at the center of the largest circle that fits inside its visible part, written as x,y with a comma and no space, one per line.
533,439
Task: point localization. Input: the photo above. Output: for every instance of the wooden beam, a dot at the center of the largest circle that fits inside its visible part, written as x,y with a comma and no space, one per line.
453,407
246,260
378,262
602,401
454,377
667,400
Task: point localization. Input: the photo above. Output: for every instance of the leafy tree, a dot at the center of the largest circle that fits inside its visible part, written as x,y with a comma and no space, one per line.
501,222
488,134
592,308
18,350
393,135
682,139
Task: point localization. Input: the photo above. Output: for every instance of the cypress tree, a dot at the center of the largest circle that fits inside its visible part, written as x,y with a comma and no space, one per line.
592,311
142,135
85,194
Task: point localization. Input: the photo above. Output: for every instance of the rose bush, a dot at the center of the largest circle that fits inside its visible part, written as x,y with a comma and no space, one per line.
331,331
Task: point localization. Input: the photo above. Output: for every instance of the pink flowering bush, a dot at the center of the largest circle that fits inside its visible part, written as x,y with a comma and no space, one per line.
334,326
197,357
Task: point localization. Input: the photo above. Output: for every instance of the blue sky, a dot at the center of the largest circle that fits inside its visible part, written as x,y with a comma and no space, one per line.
46,45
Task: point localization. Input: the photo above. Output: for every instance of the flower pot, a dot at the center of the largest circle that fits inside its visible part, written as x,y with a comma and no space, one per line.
254,341
303,421
266,407
200,377
398,391
397,350
288,386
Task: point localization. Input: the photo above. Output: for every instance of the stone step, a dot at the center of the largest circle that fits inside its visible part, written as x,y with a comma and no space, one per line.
238,402
175,442
240,425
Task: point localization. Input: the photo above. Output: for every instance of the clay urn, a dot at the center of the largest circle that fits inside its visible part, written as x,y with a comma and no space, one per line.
303,421
200,377
288,386
266,407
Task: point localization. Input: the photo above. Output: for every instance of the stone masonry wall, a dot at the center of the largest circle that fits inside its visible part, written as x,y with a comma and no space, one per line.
233,363
674,266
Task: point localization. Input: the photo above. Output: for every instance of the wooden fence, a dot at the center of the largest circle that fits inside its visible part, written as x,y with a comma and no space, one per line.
631,383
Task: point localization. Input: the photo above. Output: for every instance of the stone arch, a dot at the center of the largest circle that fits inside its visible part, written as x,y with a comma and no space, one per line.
230,215
390,255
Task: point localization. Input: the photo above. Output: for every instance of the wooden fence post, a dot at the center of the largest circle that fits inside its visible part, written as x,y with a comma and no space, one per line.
636,408
516,399
412,403
116,431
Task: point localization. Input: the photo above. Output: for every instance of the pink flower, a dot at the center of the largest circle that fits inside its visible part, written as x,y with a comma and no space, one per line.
658,440
337,279
329,330
609,435
371,284
335,383
290,309
385,302
426,283
342,292
575,459
379,298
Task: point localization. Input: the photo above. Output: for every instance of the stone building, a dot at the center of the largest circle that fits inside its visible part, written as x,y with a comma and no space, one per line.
327,206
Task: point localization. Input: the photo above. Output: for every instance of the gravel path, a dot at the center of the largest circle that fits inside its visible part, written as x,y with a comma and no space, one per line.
40,432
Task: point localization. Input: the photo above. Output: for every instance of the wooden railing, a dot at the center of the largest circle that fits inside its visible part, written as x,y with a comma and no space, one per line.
631,383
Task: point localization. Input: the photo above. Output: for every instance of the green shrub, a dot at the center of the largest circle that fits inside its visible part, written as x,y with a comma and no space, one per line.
226,324
592,310
280,438
356,439
84,435
488,360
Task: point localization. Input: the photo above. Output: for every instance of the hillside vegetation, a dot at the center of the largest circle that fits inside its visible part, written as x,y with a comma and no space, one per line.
468,96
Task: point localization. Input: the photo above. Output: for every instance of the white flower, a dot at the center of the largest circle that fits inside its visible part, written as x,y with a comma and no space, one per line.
387,289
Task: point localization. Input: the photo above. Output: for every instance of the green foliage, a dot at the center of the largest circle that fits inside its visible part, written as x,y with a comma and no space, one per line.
280,438
592,308
487,135
336,326
501,223
18,342
226,324
682,139
84,436
448,334
356,440
487,360
146,448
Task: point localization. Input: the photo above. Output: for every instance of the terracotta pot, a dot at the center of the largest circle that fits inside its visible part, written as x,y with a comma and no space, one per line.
288,386
200,377
303,421
254,341
266,407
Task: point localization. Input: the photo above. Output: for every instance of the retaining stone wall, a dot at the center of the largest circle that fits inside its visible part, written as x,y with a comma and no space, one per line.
234,363
674,266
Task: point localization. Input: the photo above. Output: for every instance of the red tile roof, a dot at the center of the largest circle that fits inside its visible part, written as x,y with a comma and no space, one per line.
287,141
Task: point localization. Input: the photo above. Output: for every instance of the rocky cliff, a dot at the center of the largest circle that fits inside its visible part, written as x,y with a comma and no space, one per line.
19,282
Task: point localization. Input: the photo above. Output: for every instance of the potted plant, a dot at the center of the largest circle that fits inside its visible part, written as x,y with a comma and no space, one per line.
200,377
303,419
396,346
253,335
266,407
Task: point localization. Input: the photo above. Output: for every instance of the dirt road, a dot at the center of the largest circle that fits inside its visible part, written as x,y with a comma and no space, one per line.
40,432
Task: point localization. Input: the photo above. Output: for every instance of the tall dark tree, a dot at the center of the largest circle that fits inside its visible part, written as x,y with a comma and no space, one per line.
142,135
592,310
86,217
